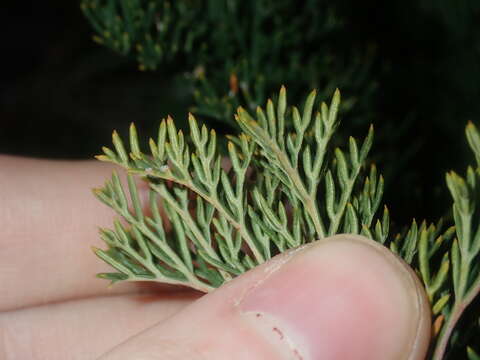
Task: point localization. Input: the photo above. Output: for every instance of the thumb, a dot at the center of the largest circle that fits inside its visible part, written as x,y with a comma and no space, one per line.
341,298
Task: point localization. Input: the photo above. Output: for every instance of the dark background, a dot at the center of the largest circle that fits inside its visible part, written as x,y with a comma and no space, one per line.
61,94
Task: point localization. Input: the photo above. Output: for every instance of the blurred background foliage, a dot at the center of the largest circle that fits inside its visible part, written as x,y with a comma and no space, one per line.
411,67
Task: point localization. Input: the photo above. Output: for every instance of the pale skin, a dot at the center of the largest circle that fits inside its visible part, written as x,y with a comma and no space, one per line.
338,299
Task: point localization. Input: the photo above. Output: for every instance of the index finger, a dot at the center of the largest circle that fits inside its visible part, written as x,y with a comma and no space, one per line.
49,220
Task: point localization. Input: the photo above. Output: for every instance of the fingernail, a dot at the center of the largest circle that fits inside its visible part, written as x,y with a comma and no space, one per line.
345,297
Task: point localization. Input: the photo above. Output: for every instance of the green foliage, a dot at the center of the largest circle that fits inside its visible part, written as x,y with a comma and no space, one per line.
465,248
286,186
135,25
472,355
227,48
446,257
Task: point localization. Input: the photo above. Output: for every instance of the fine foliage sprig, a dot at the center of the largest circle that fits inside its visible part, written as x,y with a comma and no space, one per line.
225,49
446,256
211,217
284,187
465,248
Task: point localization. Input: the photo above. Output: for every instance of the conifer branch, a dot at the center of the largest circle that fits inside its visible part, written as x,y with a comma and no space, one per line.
244,215
276,195
465,248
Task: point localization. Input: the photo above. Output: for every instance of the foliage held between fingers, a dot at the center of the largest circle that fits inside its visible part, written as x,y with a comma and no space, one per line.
203,223
285,186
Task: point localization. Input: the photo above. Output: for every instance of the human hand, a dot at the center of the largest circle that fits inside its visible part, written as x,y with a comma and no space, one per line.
343,298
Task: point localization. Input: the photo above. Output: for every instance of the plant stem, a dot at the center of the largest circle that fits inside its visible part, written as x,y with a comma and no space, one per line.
309,202
216,204
192,279
346,196
203,242
197,285
457,311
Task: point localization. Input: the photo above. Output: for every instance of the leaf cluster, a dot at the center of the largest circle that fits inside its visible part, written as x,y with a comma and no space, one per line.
210,218
227,48
205,223
283,187
446,258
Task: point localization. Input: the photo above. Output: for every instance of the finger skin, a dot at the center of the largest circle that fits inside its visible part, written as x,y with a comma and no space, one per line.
49,220
83,329
344,298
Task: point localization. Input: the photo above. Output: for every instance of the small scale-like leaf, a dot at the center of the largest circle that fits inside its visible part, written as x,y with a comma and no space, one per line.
423,257
441,276
122,153
367,144
354,158
342,168
134,146
334,106
111,261
472,355
440,304
162,135
113,277
330,194
308,109
110,154
473,137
